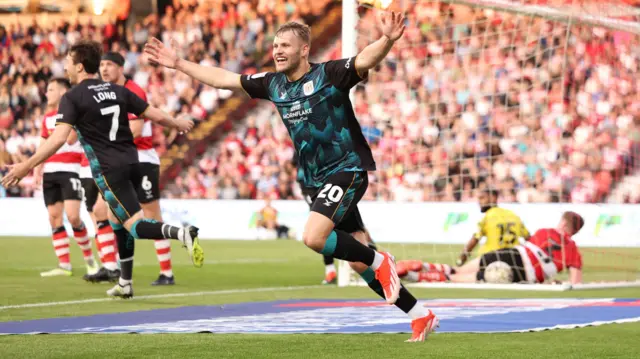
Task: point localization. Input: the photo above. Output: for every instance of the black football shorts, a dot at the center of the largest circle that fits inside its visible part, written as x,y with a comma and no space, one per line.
61,186
510,256
149,189
119,188
338,199
90,190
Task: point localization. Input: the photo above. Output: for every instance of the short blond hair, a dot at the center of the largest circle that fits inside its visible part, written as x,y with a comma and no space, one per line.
300,30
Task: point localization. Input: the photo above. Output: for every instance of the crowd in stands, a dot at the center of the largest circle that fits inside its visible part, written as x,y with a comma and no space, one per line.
236,35
457,107
504,110
495,100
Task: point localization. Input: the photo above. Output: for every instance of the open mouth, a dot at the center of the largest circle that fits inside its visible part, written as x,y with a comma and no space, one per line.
281,60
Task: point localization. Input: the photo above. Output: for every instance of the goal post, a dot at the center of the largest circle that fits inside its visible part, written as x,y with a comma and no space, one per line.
534,98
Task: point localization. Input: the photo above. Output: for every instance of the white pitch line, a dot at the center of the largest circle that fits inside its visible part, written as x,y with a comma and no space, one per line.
170,295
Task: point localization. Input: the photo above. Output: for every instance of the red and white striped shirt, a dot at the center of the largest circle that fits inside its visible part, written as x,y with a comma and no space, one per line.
68,157
85,170
144,143
548,252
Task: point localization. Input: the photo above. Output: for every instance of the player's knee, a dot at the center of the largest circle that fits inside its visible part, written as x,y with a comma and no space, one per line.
152,210
313,241
55,219
75,220
361,237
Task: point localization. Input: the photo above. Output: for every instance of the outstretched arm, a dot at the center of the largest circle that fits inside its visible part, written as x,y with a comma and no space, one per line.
48,148
213,76
164,119
468,248
57,139
142,109
392,26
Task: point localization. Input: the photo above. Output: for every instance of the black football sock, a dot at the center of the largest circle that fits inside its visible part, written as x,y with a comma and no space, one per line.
328,260
126,249
342,245
406,301
151,229
102,224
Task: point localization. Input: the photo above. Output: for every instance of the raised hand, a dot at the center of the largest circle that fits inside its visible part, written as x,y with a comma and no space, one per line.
391,24
160,54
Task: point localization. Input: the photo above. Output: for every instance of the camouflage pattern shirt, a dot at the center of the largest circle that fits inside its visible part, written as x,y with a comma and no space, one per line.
319,117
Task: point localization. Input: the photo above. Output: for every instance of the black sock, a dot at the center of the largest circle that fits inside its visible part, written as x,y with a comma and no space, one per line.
126,248
342,245
406,301
150,229
328,260
102,224
59,230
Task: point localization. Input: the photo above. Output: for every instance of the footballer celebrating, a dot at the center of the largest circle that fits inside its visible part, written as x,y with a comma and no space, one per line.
98,111
313,102
112,70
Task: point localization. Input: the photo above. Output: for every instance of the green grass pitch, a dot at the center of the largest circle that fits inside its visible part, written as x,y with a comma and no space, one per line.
235,265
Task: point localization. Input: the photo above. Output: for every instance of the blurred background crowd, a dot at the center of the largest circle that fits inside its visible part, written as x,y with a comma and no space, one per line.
463,101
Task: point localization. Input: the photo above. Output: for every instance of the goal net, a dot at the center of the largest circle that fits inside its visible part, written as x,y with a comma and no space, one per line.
535,99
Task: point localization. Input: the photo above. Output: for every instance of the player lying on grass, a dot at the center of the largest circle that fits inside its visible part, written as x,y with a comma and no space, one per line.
98,110
540,258
501,227
313,102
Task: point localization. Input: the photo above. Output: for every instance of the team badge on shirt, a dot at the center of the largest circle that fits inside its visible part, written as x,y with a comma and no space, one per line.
308,88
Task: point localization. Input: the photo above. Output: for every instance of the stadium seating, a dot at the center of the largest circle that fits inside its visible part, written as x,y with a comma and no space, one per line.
442,153
233,35
424,153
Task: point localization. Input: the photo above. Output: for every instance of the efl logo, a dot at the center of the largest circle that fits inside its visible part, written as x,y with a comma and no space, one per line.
454,218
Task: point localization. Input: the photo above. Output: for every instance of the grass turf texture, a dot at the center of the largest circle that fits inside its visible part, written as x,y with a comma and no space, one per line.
233,265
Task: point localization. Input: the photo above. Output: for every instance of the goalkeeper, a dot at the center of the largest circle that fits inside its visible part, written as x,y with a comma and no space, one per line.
501,227
541,258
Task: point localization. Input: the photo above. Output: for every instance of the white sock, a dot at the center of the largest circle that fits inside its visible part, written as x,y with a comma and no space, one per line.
412,277
110,265
329,268
418,311
377,261
66,266
124,282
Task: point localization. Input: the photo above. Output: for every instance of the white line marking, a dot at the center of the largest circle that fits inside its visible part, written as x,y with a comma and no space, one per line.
139,263
170,295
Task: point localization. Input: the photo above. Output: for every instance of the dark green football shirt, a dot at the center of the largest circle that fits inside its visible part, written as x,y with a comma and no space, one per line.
319,116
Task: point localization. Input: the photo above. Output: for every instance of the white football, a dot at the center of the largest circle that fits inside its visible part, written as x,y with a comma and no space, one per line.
498,272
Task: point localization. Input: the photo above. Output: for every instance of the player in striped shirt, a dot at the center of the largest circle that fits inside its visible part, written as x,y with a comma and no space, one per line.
112,70
61,188
545,254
